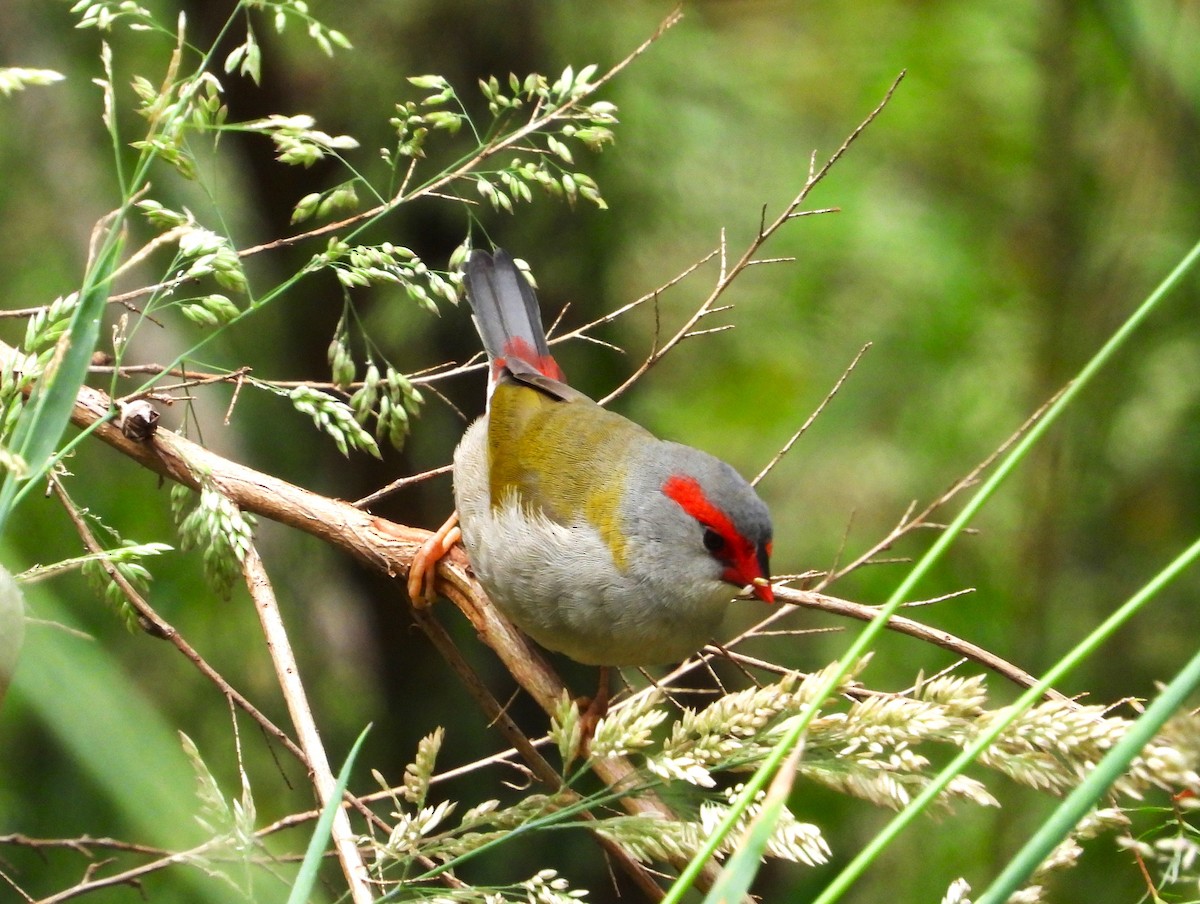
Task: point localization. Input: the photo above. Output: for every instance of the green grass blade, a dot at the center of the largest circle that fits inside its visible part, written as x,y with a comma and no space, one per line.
1108,770
306,878
45,418
741,869
12,627
858,865
1063,667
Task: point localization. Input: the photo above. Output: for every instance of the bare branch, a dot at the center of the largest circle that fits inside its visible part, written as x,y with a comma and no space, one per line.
944,639
163,859
396,485
812,417
383,545
545,773
287,671
909,522
637,302
728,273
156,626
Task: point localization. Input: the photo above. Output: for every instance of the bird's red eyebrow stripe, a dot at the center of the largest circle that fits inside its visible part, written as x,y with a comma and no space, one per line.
743,566
690,496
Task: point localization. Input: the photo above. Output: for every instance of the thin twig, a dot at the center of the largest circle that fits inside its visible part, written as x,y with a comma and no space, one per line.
234,376
24,312
637,302
909,522
728,273
498,716
396,485
787,447
898,623
155,625
288,673
84,844
822,602
208,850
15,887
659,351
131,876
488,704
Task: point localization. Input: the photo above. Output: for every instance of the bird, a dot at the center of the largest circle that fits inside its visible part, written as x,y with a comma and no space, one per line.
595,537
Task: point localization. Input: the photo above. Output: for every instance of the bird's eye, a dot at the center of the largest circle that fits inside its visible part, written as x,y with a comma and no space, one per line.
713,541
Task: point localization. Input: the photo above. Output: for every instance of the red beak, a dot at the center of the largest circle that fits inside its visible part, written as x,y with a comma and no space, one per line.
762,588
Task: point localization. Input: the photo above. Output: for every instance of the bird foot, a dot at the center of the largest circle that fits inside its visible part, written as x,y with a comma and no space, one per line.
423,570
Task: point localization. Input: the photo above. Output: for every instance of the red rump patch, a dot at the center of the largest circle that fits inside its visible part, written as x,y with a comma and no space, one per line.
516,347
738,553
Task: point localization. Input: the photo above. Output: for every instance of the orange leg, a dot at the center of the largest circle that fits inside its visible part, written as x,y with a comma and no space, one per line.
596,709
423,571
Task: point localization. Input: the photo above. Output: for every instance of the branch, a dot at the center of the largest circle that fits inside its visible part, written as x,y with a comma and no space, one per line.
728,273
156,626
908,522
288,673
381,544
496,715
193,857
812,600
808,422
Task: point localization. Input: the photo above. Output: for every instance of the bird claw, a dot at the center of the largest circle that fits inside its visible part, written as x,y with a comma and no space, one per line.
423,571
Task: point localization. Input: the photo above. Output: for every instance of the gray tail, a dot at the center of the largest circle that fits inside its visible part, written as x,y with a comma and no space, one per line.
506,310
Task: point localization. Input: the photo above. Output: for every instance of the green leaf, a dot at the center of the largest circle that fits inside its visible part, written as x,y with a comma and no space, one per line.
12,627
48,412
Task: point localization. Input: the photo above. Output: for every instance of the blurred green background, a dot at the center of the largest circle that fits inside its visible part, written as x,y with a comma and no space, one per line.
1033,178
